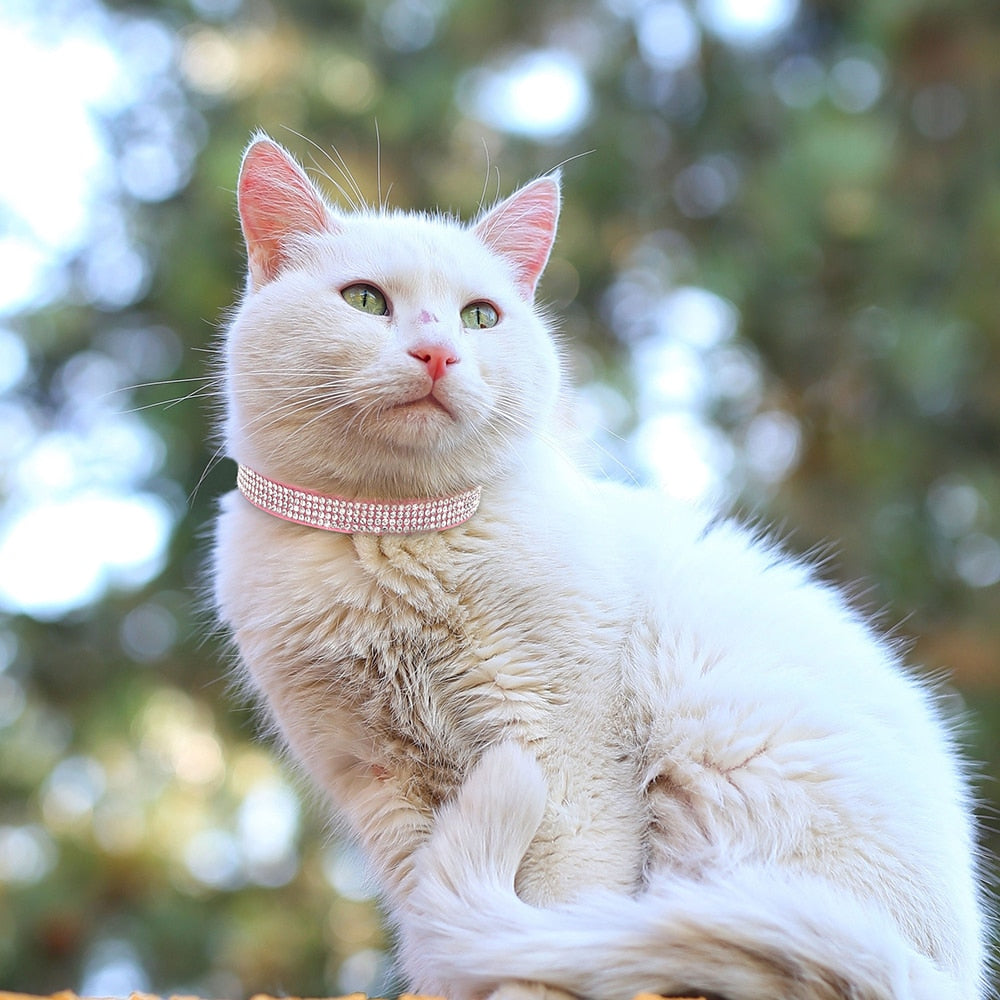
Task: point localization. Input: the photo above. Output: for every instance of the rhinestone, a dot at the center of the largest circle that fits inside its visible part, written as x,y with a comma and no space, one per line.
355,516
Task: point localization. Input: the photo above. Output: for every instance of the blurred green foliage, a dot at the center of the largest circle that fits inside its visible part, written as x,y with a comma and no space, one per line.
784,247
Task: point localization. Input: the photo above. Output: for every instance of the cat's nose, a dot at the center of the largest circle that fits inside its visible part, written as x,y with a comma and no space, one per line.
437,358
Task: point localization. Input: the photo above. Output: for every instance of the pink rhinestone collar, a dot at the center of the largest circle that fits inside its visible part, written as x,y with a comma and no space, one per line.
350,517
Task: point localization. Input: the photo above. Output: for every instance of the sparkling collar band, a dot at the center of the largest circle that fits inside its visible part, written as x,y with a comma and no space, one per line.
350,517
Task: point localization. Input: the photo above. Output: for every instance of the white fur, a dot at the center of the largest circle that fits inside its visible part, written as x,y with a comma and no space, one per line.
707,771
739,932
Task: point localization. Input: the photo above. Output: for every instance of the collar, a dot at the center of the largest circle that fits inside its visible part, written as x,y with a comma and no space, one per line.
368,517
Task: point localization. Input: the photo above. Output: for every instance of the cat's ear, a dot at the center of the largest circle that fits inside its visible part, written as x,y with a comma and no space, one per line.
276,201
522,228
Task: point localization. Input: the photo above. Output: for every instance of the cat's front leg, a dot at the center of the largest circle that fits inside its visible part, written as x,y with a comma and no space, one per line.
391,819
481,835
528,991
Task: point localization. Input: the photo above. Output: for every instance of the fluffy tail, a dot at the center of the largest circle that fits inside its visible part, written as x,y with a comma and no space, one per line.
742,937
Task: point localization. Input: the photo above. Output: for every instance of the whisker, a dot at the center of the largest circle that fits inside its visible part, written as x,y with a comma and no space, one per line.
298,404
378,167
486,178
207,384
515,421
352,194
166,381
570,159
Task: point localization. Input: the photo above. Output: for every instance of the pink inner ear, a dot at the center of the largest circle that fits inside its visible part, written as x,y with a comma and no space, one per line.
276,200
522,228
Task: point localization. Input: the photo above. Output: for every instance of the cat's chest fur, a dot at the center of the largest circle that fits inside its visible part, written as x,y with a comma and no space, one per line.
396,660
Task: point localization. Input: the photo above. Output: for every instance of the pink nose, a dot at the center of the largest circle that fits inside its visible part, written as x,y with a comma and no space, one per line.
436,357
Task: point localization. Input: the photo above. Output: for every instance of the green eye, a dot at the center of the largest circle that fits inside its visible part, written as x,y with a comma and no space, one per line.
366,298
479,316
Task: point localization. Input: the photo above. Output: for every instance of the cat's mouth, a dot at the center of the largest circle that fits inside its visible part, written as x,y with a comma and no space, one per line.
428,403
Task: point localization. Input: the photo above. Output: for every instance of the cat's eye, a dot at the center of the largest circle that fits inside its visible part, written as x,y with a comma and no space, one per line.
479,316
366,298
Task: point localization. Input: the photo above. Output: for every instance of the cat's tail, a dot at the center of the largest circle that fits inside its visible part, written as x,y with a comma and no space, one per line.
742,937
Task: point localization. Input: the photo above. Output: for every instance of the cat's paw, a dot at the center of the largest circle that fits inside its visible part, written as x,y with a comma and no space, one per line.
528,991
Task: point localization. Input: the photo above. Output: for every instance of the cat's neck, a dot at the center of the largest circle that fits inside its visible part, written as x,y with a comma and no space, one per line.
350,516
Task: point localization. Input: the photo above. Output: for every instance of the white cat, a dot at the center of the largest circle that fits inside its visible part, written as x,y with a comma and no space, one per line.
591,739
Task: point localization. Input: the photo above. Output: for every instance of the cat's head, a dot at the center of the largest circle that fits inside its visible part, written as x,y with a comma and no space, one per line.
386,355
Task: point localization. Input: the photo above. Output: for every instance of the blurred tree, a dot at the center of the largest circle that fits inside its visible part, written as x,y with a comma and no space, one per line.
775,273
